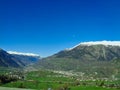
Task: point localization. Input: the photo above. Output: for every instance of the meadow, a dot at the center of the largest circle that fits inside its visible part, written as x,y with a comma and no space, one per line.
49,80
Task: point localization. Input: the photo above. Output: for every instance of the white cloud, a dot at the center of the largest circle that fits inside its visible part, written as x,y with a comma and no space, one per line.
20,53
106,43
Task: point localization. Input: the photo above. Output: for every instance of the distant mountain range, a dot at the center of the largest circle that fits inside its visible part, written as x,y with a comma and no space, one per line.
26,58
102,57
14,59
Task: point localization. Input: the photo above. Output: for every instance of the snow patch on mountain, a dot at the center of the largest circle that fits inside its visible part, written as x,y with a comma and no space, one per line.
105,43
20,53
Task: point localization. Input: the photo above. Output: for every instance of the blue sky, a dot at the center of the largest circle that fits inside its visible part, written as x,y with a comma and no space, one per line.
48,26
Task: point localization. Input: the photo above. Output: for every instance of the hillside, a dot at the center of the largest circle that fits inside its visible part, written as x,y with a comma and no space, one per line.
26,58
88,58
9,59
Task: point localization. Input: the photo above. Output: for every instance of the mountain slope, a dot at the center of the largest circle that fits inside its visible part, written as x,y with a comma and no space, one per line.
25,58
13,59
87,58
7,60
94,52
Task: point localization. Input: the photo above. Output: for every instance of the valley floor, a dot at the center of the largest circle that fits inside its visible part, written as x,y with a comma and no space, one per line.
49,80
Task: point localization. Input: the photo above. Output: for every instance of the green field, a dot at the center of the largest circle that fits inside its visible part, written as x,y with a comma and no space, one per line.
91,88
44,79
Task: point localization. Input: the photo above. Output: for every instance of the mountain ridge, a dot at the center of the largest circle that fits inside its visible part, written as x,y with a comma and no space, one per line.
90,43
21,53
17,60
83,58
7,60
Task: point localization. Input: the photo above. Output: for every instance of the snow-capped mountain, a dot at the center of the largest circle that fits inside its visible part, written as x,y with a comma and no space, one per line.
17,59
20,53
100,56
8,60
98,50
26,58
105,43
